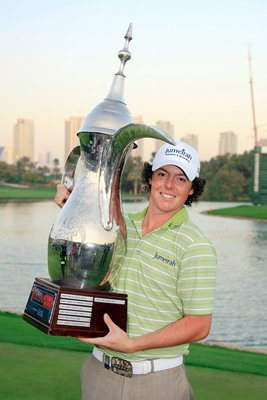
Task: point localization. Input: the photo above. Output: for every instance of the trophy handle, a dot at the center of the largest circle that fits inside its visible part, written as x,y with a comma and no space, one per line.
71,170
111,168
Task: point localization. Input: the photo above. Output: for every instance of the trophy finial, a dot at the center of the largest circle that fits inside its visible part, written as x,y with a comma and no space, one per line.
111,114
124,54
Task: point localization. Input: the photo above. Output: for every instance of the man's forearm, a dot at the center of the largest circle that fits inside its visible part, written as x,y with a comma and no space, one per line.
191,328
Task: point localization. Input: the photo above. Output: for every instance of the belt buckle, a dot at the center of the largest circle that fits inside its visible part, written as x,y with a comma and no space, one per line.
121,367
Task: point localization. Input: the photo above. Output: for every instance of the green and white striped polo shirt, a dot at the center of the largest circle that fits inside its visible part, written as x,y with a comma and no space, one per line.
167,273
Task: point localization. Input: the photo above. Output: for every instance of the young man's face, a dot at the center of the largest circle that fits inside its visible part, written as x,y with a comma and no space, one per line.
170,189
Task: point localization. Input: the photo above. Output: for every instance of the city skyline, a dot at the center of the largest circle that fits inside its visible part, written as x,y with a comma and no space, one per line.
189,66
24,138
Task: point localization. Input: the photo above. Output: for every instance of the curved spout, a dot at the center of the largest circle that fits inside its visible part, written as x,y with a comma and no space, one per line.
112,166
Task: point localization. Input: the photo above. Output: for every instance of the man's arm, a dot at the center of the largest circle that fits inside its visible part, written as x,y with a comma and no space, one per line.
191,328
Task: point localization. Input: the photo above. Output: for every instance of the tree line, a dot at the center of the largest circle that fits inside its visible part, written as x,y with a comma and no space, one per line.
228,177
26,172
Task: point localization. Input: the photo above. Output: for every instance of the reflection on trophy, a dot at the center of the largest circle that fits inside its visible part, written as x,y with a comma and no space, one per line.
82,239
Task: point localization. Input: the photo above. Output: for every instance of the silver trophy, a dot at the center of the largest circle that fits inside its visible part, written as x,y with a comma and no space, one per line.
82,239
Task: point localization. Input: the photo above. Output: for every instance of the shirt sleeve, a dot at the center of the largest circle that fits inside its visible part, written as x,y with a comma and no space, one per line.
197,279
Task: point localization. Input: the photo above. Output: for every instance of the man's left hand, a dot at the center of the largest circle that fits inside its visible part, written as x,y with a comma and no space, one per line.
116,339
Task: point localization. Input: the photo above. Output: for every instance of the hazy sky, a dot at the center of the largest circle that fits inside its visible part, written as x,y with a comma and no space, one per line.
189,65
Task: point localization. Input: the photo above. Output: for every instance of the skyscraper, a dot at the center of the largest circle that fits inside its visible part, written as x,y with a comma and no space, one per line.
72,126
140,150
167,127
227,143
44,158
191,139
6,154
23,139
148,146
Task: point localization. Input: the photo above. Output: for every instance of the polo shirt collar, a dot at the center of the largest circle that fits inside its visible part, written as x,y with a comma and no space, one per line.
176,219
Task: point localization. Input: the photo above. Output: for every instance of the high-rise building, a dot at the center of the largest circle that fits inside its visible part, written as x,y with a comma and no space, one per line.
2,153
191,139
139,151
263,142
227,143
23,139
167,127
6,154
44,158
72,126
148,146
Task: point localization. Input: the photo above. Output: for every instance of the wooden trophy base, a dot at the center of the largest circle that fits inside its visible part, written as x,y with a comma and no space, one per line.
65,311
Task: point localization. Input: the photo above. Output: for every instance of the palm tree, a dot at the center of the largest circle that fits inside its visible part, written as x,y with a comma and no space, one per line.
135,173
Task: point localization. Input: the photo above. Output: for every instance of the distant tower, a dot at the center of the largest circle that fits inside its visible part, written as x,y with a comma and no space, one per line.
260,152
141,143
44,158
167,127
227,143
2,153
23,139
191,139
8,155
72,126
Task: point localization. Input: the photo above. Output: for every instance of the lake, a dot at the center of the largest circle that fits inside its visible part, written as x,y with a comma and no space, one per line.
240,309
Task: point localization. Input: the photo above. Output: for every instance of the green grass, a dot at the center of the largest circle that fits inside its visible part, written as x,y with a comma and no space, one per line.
256,212
26,194
209,384
34,365
9,193
37,373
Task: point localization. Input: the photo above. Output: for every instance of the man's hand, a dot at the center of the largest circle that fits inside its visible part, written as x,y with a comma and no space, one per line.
116,339
62,194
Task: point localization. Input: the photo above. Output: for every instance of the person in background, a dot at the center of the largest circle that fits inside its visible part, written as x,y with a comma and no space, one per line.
168,269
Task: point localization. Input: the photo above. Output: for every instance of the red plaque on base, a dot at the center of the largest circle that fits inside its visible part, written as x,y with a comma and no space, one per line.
66,311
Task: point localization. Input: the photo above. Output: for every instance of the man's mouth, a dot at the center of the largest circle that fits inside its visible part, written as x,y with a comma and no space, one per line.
167,196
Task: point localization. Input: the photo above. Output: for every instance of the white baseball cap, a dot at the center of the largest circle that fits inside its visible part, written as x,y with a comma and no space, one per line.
182,155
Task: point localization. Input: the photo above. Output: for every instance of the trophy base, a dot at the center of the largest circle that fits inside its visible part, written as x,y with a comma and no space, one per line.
65,311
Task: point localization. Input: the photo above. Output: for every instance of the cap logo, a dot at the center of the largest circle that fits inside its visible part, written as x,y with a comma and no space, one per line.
180,153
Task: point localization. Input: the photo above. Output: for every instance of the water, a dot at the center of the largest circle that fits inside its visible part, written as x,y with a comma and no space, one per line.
240,309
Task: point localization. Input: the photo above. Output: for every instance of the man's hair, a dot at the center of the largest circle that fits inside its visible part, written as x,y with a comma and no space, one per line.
198,184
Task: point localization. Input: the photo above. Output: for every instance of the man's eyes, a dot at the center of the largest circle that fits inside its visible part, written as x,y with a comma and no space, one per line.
178,178
181,179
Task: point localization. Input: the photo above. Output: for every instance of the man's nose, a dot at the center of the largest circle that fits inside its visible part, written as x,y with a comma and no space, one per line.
169,182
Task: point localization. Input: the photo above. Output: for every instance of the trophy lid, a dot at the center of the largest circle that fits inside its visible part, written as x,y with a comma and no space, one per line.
112,114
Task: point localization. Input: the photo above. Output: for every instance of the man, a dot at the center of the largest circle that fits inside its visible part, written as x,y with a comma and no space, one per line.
167,268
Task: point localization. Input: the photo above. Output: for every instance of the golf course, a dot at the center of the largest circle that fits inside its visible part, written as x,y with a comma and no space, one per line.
36,366
22,194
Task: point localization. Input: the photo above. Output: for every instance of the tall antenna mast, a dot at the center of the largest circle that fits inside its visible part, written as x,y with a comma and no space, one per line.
252,98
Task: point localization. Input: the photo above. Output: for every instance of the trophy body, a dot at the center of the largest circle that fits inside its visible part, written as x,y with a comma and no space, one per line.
83,238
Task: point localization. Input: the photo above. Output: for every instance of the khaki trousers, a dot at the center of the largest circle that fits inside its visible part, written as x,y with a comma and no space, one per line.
99,383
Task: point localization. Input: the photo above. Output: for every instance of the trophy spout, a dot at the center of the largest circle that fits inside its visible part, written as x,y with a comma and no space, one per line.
111,169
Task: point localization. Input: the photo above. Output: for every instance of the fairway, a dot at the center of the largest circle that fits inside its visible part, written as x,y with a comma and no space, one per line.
254,212
27,194
34,365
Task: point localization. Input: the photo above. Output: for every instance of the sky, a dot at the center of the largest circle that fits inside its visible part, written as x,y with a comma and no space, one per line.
189,65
